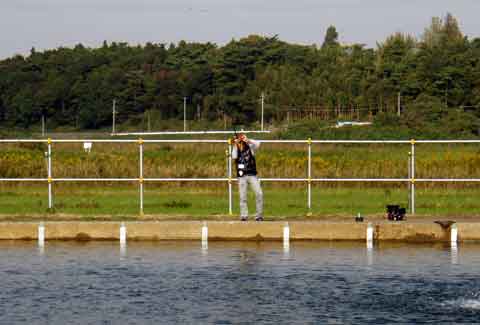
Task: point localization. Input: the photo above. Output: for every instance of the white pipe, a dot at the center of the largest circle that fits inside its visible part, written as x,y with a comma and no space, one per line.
230,189
185,132
24,179
412,184
187,179
309,175
93,140
204,236
223,141
41,234
22,140
286,236
418,180
204,232
95,179
336,180
360,141
337,141
454,233
123,234
369,233
447,180
140,167
186,141
409,185
49,172
447,141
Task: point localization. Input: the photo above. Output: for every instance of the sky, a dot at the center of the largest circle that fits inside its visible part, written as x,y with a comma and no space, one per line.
46,24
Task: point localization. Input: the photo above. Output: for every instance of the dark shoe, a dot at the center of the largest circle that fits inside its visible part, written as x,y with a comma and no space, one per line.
243,219
259,219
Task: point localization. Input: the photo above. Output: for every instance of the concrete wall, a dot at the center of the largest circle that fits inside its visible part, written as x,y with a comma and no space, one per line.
235,230
18,230
411,232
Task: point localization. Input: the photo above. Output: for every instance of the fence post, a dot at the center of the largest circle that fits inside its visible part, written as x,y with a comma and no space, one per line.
140,178
229,171
309,175
412,178
49,171
409,163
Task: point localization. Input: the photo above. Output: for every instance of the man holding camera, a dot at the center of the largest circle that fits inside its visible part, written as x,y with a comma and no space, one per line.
244,154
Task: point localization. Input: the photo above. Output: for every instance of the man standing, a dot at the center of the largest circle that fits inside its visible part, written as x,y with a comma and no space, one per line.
244,154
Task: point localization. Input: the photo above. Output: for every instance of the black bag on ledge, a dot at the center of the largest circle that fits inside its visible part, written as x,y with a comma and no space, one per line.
395,213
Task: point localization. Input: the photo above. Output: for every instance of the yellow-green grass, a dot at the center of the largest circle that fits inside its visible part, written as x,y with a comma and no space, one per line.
115,202
273,160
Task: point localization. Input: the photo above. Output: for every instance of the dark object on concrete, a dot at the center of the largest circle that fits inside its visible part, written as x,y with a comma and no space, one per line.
395,213
445,224
359,218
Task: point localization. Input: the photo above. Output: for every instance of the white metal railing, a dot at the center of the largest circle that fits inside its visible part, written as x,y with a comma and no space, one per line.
411,180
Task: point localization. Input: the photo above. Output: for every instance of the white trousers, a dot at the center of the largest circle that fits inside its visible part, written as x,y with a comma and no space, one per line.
255,185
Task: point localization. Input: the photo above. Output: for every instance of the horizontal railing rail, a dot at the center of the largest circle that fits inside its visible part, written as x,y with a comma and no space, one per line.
227,141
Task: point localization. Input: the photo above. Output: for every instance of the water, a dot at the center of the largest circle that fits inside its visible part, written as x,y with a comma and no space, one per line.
232,283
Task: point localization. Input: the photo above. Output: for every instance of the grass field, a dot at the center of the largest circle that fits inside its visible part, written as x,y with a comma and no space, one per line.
209,160
108,202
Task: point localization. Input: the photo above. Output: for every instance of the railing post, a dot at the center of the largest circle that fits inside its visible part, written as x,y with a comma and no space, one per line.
409,163
140,178
229,171
309,175
412,178
49,172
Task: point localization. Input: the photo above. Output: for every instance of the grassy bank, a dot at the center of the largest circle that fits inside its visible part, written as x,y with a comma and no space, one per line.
193,203
198,200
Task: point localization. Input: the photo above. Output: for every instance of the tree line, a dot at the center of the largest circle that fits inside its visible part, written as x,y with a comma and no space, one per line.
437,77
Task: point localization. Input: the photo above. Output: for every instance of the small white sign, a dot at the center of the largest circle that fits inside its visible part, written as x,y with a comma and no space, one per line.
87,146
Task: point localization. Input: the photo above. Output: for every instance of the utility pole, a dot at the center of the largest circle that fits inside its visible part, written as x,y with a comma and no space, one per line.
148,121
185,114
399,104
43,125
263,102
446,95
113,116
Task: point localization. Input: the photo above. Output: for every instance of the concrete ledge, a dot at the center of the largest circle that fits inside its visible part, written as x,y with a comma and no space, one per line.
164,230
235,230
82,231
328,230
18,230
468,231
411,232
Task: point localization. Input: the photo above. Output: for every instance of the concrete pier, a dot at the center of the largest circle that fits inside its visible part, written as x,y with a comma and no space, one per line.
234,230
